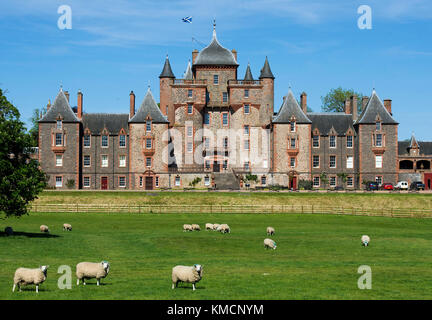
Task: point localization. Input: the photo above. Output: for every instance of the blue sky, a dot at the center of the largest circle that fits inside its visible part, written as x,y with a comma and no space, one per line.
118,46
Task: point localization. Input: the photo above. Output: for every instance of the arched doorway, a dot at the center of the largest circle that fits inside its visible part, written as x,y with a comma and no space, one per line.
292,180
149,179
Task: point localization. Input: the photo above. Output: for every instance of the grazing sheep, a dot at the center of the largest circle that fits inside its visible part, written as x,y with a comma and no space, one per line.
26,276
209,226
224,228
269,243
187,274
196,227
67,227
89,270
365,240
187,227
270,231
44,228
215,226
9,231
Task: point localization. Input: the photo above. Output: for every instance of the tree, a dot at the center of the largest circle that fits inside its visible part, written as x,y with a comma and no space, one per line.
20,177
324,178
334,101
34,130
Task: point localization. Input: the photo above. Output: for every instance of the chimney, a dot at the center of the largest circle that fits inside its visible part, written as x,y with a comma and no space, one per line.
67,95
354,106
194,55
80,105
347,106
364,102
132,104
234,52
387,105
303,101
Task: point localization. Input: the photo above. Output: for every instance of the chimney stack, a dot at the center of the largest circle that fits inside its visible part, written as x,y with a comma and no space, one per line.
354,106
303,101
388,105
364,102
347,106
194,55
80,105
67,95
132,104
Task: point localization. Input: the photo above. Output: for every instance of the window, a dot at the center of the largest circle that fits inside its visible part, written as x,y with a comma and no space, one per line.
59,124
246,109
378,161
378,126
215,79
148,143
293,143
104,141
332,161
86,141
316,162
58,139
332,181
148,125
225,164
246,165
315,141
350,162
332,141
166,109
148,162
86,182
316,181
224,96
378,179
104,161
189,131
292,126
190,108
246,144
122,161
190,93
141,181
246,93
207,164
263,180
86,161
59,160
189,147
378,140
122,182
225,119
292,162
206,180
350,181
156,181
349,141
177,181
59,181
246,130
122,141
225,143
206,118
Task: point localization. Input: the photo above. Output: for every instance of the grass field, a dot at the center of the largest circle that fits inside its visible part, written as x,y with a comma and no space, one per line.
317,256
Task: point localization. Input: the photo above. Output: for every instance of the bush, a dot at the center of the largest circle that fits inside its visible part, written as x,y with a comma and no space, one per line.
194,182
305,184
70,183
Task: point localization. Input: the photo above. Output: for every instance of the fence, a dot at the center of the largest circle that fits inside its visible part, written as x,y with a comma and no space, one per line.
265,209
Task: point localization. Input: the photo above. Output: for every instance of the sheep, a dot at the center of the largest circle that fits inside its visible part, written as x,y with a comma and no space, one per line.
215,226
89,270
365,240
224,228
44,228
196,227
187,227
8,231
209,226
67,227
270,231
186,274
269,243
26,276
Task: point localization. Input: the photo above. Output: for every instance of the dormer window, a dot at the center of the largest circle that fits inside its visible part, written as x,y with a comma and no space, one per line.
87,141
215,79
148,125
378,140
104,141
122,141
59,124
378,126
246,93
349,141
332,141
315,141
292,126
58,139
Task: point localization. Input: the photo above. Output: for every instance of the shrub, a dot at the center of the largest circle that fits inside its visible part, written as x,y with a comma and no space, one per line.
70,183
305,184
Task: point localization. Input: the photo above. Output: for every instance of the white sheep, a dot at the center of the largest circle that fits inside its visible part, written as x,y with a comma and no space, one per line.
269,243
89,270
26,276
365,240
186,274
8,231
209,226
215,226
67,227
270,231
224,228
44,228
196,227
187,227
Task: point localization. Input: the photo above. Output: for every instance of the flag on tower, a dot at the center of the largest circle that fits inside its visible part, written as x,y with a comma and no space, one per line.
187,19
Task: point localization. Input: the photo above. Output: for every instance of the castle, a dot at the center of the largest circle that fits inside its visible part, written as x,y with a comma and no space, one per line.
211,129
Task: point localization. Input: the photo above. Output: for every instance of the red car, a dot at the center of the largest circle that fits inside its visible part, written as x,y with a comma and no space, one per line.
387,186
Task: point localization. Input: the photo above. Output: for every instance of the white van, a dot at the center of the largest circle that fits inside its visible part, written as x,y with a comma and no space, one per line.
401,185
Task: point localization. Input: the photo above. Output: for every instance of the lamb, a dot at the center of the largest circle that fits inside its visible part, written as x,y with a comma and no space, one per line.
89,270
67,227
44,228
196,227
26,276
9,231
270,231
215,226
224,228
209,226
269,243
186,274
365,240
187,227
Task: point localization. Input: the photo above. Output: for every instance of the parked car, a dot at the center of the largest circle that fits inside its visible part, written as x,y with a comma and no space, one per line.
401,185
372,185
417,185
387,186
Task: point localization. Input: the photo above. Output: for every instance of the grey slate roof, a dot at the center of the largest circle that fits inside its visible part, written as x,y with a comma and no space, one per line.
60,107
324,121
248,75
266,71
149,107
167,71
188,73
289,108
373,108
425,147
215,54
113,122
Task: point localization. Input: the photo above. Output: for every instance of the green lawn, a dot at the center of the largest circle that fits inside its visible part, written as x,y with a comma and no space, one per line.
317,256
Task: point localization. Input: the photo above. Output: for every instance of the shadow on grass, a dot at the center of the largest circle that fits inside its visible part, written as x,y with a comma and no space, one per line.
29,235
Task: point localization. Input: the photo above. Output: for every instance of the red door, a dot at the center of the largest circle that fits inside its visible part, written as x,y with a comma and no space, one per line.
293,183
104,183
149,183
428,181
